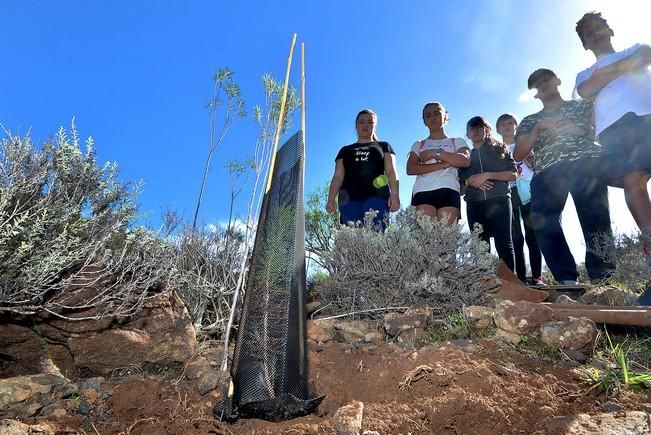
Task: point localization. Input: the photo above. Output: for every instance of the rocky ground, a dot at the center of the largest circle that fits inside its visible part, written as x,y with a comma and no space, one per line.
458,387
509,369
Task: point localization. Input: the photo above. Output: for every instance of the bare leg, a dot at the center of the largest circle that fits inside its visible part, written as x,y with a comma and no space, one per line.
637,200
427,209
448,215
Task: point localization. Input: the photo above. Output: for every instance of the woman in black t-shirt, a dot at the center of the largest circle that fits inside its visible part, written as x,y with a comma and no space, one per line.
365,176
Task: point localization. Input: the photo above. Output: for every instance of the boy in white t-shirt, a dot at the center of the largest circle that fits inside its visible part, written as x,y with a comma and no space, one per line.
620,84
434,161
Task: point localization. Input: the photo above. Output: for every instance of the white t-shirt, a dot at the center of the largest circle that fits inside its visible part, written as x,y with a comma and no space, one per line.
523,169
442,178
630,92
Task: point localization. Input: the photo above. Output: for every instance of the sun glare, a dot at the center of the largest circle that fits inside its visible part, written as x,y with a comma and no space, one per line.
527,95
628,19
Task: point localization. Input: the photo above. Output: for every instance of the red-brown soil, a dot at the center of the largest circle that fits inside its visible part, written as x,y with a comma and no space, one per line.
484,389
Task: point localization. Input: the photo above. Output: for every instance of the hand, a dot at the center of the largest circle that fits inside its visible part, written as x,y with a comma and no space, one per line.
331,206
480,181
547,124
529,160
426,155
444,165
641,58
565,127
394,202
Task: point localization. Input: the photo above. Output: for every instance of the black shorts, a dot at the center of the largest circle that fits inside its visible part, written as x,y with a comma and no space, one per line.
438,198
627,146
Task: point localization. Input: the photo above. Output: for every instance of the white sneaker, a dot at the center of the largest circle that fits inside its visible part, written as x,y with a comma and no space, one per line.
569,282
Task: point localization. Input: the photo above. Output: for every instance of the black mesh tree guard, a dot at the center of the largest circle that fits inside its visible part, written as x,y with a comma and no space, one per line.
269,372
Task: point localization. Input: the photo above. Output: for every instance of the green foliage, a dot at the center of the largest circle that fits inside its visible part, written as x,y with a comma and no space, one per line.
536,348
628,357
226,100
319,226
455,326
316,278
227,93
273,90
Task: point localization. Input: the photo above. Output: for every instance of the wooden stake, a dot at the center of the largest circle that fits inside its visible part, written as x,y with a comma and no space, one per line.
632,316
281,115
303,93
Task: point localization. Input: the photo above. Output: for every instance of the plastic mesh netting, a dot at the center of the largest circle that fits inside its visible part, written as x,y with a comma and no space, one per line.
270,371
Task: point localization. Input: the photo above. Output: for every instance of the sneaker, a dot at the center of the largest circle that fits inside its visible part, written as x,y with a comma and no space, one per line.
538,281
569,282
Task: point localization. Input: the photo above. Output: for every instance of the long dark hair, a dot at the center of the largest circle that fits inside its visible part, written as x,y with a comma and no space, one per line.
374,115
490,143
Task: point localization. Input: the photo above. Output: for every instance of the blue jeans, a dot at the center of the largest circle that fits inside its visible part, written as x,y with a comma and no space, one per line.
494,216
354,210
549,191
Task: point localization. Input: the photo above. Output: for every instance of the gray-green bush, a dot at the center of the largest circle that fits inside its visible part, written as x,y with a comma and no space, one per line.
64,229
417,260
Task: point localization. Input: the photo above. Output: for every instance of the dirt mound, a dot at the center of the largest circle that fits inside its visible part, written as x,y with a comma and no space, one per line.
473,388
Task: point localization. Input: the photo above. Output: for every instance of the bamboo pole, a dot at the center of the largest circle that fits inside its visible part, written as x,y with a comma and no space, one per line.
303,108
302,368
281,115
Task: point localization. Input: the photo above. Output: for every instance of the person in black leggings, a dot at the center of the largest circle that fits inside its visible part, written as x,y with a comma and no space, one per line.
506,126
487,188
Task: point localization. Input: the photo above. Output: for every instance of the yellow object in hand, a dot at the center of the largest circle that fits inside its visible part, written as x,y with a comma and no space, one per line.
380,181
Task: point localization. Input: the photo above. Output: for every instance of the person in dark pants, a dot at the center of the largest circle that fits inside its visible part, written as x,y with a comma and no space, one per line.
506,126
487,188
562,137
365,177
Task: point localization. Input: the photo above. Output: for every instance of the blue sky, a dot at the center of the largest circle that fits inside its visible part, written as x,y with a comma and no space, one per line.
137,76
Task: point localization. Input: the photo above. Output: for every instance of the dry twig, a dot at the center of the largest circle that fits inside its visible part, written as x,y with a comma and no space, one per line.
415,375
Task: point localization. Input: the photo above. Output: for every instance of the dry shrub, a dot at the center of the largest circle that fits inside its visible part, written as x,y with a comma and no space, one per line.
66,247
417,260
207,264
627,253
